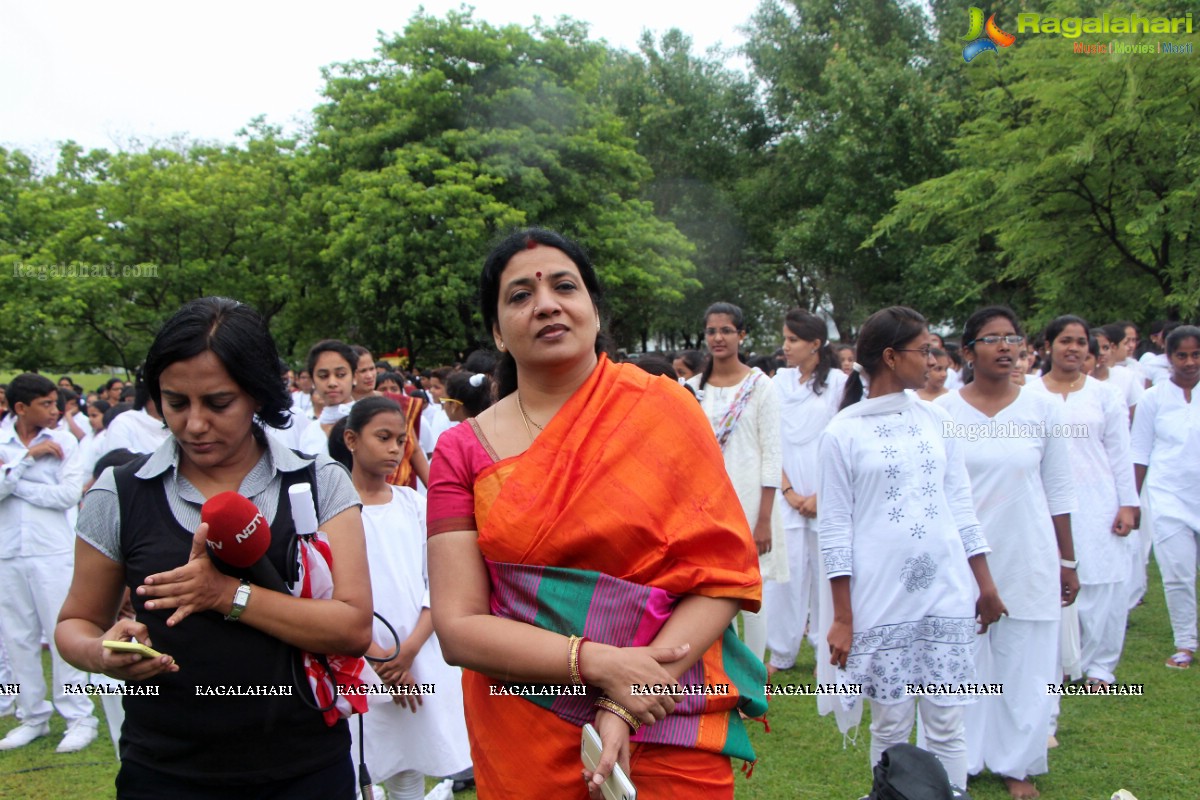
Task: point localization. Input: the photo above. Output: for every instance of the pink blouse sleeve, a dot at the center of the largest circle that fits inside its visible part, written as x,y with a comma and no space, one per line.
459,457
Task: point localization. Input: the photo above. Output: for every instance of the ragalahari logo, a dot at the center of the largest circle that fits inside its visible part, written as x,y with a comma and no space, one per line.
984,37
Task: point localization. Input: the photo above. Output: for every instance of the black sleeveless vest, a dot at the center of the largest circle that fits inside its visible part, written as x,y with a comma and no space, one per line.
191,729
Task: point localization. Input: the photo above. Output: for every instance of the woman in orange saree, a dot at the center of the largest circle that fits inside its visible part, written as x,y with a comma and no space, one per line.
616,522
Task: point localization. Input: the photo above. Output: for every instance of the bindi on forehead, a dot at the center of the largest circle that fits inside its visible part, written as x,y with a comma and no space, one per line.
539,275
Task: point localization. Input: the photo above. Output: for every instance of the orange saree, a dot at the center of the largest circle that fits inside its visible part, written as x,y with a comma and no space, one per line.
625,487
404,475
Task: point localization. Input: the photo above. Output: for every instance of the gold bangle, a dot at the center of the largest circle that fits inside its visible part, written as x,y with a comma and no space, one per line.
573,661
613,707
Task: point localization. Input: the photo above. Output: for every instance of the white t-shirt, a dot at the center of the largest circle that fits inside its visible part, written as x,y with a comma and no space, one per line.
1020,476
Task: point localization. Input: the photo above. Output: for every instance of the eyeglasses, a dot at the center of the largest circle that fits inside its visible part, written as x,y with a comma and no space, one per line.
451,400
925,351
1012,338
722,331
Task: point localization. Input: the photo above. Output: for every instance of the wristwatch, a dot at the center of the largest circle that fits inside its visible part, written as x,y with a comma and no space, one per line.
1068,563
240,598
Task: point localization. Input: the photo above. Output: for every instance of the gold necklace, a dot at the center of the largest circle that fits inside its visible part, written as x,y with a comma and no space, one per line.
526,417
1073,384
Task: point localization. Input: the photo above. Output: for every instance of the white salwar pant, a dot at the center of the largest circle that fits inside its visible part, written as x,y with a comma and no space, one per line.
1142,538
34,590
406,785
1103,610
942,733
1175,549
789,605
754,632
8,702
1008,733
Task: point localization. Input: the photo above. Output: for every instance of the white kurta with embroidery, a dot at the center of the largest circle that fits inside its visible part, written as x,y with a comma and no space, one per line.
1098,436
753,456
434,739
896,516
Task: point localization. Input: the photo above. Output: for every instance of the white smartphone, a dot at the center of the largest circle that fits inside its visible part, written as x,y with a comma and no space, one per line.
618,786
131,647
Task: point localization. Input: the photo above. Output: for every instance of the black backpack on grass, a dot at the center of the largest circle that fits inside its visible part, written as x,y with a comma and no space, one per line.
905,772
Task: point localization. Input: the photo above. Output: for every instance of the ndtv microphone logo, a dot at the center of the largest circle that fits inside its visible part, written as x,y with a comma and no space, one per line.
244,534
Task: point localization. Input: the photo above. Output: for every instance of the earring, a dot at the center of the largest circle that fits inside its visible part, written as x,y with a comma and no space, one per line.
500,345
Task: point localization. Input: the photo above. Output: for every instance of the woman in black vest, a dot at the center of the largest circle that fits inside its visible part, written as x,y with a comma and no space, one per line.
220,714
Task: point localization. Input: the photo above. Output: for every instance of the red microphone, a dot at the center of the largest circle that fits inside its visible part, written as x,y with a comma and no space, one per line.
238,536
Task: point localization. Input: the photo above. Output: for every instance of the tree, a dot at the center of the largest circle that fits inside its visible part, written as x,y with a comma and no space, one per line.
844,80
456,132
702,130
1075,187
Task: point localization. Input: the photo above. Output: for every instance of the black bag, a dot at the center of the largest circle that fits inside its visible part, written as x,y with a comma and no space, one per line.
905,772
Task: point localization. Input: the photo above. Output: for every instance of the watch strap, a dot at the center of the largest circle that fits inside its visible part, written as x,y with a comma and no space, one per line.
240,597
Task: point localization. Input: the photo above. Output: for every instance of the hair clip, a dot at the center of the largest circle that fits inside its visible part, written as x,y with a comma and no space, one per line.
477,379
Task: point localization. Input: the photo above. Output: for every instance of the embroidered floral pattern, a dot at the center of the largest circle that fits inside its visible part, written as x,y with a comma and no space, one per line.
918,573
973,541
928,489
838,561
925,448
893,471
895,515
931,650
927,466
890,452
883,431
914,430
918,531
892,493
931,511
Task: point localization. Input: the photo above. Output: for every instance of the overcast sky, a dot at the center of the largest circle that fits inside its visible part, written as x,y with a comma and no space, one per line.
104,74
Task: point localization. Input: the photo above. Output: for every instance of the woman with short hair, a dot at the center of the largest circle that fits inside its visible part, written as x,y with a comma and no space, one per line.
212,369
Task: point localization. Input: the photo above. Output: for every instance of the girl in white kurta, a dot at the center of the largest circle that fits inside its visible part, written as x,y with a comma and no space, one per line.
809,389
900,542
406,736
1166,440
743,407
1099,444
1022,487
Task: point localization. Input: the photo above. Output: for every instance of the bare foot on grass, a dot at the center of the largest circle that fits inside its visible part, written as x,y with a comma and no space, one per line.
1024,790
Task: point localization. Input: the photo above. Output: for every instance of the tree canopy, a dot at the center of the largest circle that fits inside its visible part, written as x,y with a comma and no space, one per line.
857,162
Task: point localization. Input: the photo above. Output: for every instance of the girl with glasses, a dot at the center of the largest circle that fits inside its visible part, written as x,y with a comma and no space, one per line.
901,545
1023,492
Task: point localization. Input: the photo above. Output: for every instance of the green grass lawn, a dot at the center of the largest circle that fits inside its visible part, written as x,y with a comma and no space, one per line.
1149,745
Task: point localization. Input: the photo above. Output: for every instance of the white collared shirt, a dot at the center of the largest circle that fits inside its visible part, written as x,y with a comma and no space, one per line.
36,494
